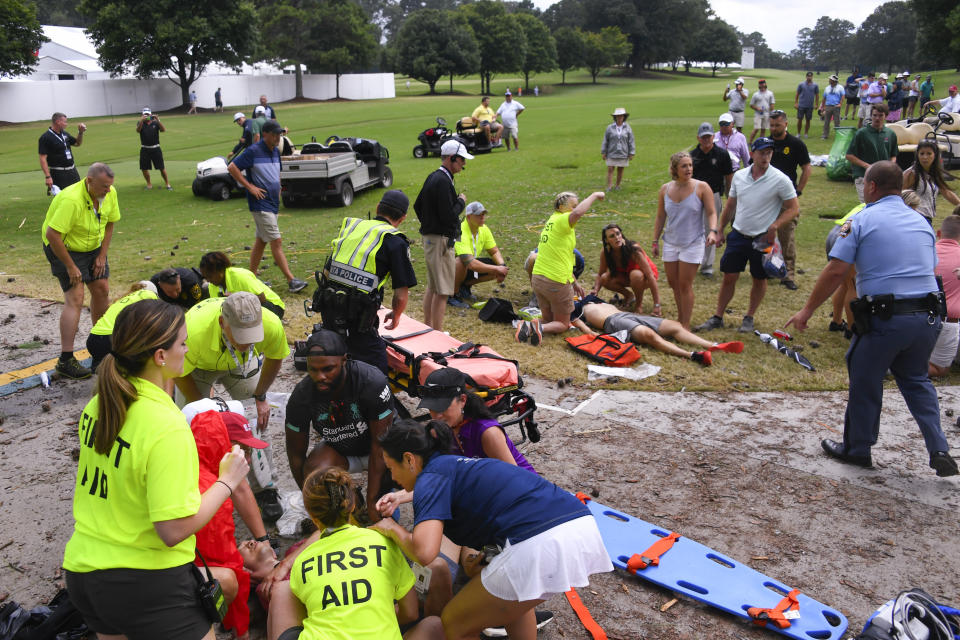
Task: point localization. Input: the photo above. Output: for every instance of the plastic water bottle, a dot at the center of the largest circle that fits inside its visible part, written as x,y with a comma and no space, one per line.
44,379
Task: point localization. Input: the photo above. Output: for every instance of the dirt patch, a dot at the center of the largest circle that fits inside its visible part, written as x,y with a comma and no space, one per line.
741,473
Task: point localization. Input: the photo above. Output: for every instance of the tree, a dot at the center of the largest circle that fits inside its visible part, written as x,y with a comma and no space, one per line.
603,49
666,29
717,43
887,37
569,50
829,44
433,43
289,23
22,37
63,13
343,39
566,13
503,45
541,53
171,37
938,30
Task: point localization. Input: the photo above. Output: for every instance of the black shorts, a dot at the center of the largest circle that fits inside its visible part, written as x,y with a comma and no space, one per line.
739,252
369,347
141,604
98,346
151,156
293,633
84,261
855,102
63,178
277,309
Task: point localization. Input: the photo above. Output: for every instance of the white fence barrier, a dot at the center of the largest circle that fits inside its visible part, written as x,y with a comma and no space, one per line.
37,100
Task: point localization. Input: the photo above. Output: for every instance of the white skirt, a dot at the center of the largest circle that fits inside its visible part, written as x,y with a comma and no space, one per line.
618,162
548,563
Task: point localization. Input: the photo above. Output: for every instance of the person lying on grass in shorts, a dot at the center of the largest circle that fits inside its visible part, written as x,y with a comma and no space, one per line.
593,313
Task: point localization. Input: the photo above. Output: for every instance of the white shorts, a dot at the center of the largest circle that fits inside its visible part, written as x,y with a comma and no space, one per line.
761,121
945,350
692,253
864,110
548,563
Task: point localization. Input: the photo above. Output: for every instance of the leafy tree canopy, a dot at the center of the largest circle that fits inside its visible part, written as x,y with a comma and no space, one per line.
22,37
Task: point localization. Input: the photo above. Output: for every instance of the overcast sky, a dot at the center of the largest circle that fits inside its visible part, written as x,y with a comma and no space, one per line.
779,22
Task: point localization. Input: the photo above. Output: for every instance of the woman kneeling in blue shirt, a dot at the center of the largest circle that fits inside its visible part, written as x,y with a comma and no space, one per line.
549,540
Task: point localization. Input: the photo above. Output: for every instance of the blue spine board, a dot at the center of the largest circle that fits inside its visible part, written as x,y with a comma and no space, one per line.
706,575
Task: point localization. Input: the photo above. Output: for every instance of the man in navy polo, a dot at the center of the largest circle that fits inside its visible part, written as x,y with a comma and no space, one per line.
257,169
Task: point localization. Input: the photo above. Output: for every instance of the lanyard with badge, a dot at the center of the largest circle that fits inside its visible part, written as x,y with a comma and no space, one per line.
241,362
63,140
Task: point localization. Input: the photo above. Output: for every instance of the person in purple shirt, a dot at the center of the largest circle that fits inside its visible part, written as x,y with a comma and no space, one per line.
732,140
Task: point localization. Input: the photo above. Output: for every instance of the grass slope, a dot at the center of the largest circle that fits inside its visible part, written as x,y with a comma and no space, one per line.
560,135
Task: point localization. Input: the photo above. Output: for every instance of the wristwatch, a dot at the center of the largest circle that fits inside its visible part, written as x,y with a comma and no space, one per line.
260,397
799,193
262,538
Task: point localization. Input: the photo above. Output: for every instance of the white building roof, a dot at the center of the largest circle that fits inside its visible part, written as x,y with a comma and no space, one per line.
74,38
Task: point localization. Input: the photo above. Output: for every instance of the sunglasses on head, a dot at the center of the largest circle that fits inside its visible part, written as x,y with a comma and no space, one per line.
776,113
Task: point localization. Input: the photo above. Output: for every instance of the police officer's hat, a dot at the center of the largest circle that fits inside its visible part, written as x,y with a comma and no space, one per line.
396,199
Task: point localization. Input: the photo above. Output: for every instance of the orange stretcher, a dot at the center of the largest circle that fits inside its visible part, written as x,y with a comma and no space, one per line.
414,351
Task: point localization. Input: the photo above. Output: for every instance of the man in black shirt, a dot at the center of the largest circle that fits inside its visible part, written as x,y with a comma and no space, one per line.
789,154
438,208
56,159
349,405
149,128
180,286
713,165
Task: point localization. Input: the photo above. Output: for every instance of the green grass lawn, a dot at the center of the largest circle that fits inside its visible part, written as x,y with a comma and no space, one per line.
560,135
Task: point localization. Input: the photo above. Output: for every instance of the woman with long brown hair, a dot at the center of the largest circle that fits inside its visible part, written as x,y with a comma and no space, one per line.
927,178
129,563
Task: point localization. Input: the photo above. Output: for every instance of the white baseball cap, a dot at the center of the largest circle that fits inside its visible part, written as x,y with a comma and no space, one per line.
259,110
454,148
237,116
725,117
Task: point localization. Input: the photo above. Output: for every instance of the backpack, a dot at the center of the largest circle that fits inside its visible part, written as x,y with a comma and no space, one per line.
498,310
605,349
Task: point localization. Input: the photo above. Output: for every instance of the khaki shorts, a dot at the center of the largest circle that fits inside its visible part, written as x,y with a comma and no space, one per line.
267,229
858,183
737,118
556,299
441,264
761,121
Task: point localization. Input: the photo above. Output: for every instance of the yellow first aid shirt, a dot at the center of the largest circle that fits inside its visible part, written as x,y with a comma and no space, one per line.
240,279
470,244
150,475
555,252
207,350
348,581
104,326
74,215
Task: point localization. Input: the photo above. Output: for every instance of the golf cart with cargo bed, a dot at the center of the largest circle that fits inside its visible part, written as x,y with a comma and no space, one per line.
214,181
334,171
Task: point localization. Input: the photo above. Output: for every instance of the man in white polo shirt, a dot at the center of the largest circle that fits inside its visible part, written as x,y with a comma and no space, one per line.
763,199
509,111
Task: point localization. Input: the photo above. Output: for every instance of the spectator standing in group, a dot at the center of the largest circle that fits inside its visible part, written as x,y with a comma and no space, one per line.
948,261
913,95
872,143
761,201
193,103
833,97
268,109
257,170
806,101
899,325
246,137
789,154
761,103
711,164
738,102
733,141
181,286
618,146
218,101
895,98
76,236
926,93
256,124
438,207
852,90
56,158
863,111
877,91
950,104
509,112
149,128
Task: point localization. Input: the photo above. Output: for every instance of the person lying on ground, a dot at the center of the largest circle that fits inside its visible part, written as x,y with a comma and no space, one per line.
593,313
625,269
333,599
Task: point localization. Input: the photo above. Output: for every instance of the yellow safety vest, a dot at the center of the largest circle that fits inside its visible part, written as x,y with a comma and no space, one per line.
354,260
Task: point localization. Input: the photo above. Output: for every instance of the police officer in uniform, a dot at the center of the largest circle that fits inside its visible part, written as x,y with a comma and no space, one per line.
352,283
898,317
181,286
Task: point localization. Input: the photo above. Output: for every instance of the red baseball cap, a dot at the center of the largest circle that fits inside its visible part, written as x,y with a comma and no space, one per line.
239,430
953,87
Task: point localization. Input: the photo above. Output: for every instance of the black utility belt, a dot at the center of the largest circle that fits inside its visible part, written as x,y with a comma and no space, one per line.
736,110
885,305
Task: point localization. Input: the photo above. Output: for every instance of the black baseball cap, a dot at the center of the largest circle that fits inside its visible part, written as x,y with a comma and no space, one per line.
396,199
167,276
324,342
271,126
441,387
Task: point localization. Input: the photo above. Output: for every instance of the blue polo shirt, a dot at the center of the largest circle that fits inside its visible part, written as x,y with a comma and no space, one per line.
262,167
875,238
485,500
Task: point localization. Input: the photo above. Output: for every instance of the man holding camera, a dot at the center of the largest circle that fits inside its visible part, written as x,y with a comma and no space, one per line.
149,128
